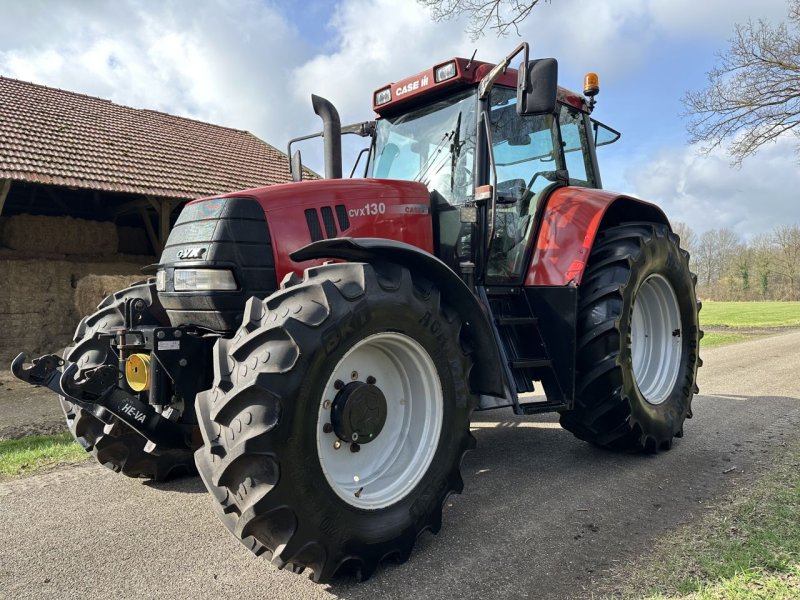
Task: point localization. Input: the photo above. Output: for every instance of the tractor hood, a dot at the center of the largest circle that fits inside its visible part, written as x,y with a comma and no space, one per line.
298,214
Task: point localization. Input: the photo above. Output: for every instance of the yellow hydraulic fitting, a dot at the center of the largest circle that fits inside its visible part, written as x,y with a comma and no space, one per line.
137,372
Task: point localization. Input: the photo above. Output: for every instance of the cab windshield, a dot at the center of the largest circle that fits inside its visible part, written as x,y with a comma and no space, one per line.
434,145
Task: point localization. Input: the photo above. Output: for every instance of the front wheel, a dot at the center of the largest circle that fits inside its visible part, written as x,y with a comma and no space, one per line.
338,419
637,340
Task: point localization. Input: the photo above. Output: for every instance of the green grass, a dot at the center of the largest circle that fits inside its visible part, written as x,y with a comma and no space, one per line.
713,339
35,453
746,550
750,314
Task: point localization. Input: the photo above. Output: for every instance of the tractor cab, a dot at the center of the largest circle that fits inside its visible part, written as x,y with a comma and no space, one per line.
485,160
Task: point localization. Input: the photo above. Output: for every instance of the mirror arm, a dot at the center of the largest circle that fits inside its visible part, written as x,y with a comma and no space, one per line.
358,160
500,68
364,129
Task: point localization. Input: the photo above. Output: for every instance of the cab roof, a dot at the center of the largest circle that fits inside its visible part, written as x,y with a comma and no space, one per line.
467,73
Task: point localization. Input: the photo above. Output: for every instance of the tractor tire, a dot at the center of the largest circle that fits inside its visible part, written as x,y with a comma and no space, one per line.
338,419
114,444
638,339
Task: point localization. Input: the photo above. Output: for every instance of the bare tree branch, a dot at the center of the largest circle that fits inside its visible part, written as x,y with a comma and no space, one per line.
499,15
752,96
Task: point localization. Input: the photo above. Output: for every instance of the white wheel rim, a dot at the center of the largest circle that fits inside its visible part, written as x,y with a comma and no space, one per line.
656,339
386,469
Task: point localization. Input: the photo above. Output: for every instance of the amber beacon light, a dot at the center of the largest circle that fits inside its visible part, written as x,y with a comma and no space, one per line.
591,85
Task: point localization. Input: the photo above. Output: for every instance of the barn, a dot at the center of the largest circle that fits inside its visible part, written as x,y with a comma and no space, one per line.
88,192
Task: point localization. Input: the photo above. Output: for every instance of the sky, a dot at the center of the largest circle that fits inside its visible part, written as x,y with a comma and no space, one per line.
253,65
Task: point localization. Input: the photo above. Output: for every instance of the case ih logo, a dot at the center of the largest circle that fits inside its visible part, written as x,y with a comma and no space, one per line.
410,87
191,253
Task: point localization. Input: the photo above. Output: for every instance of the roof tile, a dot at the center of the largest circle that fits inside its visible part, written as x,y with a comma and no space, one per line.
52,136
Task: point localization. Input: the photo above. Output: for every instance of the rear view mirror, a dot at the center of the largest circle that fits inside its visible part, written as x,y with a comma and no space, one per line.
296,166
537,87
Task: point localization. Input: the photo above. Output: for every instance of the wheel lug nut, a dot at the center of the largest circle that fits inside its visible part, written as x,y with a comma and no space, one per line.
337,444
354,447
371,380
338,384
327,428
354,437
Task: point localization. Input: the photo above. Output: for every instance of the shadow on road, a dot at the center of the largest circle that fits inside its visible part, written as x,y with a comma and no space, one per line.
185,485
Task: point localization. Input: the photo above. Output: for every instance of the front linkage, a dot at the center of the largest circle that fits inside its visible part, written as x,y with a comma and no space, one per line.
175,365
98,392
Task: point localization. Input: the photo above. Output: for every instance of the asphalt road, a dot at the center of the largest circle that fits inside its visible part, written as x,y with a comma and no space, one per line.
543,515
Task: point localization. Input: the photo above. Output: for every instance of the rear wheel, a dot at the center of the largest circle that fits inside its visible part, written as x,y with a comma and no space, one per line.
114,444
338,419
637,340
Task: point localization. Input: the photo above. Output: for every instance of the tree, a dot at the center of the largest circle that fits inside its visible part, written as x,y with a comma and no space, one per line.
763,260
753,94
786,241
500,15
716,253
687,235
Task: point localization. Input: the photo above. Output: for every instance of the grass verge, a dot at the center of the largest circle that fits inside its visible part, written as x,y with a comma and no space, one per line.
751,314
713,339
31,454
749,549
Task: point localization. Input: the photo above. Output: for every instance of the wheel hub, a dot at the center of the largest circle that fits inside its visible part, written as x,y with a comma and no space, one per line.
358,413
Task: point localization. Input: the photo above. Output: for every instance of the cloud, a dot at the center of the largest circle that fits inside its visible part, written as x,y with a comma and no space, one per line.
705,191
245,64
225,62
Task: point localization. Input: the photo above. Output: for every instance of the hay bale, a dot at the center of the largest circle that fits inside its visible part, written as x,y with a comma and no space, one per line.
60,235
91,290
37,299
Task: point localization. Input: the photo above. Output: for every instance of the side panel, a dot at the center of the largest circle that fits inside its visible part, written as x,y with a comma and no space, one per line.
569,225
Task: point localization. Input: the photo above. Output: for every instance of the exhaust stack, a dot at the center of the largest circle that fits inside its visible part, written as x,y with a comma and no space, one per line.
331,134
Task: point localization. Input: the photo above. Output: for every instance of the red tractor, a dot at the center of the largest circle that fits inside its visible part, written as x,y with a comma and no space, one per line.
316,349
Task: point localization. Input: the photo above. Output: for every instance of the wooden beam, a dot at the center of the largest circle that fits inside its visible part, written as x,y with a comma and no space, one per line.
164,212
59,202
151,234
32,197
5,186
129,207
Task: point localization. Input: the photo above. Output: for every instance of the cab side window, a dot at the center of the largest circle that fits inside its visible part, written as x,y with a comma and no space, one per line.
576,147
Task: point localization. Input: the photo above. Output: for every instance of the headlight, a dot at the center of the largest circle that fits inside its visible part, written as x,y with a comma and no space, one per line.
189,280
161,281
444,72
383,96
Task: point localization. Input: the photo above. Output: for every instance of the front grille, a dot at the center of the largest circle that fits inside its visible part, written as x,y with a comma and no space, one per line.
230,233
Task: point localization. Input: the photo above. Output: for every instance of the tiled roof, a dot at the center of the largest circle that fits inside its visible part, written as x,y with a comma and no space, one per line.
56,137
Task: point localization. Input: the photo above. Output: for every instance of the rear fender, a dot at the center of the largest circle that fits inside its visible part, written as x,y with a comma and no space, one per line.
486,377
572,218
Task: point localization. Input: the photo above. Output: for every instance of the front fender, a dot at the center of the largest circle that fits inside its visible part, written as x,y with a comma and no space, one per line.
572,218
485,377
